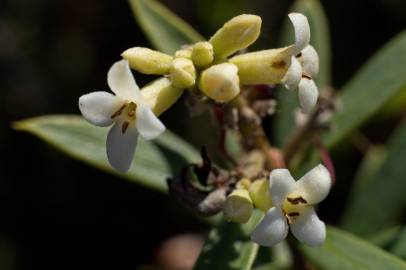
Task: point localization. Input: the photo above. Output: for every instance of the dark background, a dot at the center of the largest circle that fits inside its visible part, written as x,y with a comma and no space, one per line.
59,213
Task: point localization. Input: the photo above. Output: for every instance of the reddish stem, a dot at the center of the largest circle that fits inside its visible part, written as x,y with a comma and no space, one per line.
326,159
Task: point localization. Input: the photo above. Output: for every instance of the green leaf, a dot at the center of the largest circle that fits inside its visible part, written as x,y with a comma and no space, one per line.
229,246
381,78
380,202
166,31
320,39
342,250
154,161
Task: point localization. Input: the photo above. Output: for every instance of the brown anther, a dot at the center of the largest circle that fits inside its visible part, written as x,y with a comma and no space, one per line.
299,55
306,76
294,214
296,200
132,107
117,113
280,64
124,126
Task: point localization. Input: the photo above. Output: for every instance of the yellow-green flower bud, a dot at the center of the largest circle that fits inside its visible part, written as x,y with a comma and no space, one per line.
244,183
202,54
260,195
263,67
160,95
220,82
182,73
238,206
148,61
236,34
184,52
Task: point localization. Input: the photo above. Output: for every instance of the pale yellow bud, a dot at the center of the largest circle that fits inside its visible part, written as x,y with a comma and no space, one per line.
160,95
220,82
260,195
182,73
236,34
263,67
184,52
238,206
244,183
202,54
148,61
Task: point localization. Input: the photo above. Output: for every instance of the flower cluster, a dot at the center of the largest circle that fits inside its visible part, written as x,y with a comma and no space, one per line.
286,203
214,68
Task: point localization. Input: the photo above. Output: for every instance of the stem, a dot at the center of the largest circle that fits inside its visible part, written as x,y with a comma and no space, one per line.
299,137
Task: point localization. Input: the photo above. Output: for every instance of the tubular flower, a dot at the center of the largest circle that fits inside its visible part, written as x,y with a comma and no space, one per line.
127,112
304,64
293,207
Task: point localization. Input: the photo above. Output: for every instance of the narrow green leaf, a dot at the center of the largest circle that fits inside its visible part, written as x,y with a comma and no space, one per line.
165,30
381,78
342,250
229,247
320,39
380,202
154,161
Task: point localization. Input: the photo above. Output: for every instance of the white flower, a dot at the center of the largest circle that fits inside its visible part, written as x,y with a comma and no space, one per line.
304,65
293,206
126,109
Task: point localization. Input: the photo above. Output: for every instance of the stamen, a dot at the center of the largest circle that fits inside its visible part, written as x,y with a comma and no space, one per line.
280,64
296,200
124,126
132,107
117,113
294,214
299,55
306,76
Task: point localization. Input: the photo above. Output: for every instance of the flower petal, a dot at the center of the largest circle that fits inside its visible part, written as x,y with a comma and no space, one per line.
121,144
293,75
308,228
302,31
315,185
148,125
98,107
122,82
280,184
310,61
308,94
272,229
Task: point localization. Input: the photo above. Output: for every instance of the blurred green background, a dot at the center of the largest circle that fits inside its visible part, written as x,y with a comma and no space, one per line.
59,213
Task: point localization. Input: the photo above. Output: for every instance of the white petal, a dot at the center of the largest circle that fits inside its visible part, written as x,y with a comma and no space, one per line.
308,228
315,185
310,61
148,125
293,75
308,94
98,107
302,31
280,184
272,229
121,146
122,82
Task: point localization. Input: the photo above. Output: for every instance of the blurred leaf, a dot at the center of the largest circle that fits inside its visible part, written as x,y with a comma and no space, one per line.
385,237
165,30
154,161
399,248
229,246
380,202
320,39
381,78
342,250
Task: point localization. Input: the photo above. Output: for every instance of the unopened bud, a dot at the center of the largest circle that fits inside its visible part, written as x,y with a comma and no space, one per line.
236,34
182,73
202,54
148,61
263,67
160,95
260,195
185,52
220,82
238,206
